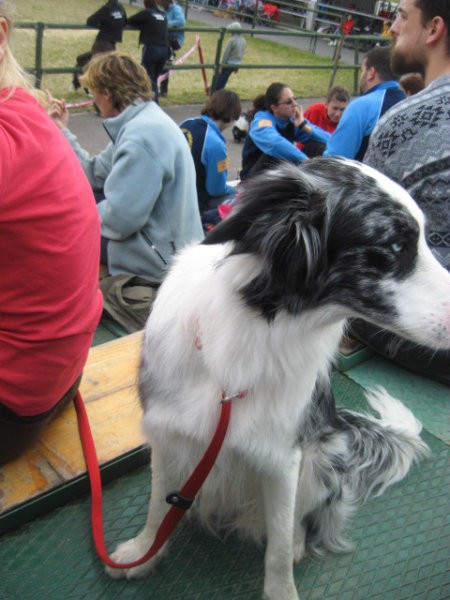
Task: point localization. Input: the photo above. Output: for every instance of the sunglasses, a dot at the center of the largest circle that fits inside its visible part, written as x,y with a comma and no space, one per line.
289,102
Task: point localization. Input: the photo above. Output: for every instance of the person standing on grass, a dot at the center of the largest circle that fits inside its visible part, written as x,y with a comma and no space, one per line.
175,18
232,56
110,20
153,25
49,262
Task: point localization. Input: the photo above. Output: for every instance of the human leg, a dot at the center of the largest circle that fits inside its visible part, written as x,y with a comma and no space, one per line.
222,79
154,59
419,359
19,433
81,61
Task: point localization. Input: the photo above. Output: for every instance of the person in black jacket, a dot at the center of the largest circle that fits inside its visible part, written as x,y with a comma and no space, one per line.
110,20
152,23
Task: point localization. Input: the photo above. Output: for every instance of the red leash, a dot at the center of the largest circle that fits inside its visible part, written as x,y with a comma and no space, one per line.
180,501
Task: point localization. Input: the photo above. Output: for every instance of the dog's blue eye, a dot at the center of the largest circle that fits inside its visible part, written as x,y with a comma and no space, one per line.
397,247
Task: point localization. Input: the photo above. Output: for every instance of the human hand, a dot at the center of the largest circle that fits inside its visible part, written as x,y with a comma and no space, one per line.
298,117
57,111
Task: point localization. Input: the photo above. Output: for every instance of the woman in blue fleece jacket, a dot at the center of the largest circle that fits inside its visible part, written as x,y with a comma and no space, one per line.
147,174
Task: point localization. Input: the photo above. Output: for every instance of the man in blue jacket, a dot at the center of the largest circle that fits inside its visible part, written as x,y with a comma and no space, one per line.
380,90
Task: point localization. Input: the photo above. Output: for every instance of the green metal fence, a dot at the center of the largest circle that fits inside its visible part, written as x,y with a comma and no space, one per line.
258,27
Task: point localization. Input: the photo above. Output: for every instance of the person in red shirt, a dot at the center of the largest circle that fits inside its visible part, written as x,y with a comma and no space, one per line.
347,28
49,261
328,114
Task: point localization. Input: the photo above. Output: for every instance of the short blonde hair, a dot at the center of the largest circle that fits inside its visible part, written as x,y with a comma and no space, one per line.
119,74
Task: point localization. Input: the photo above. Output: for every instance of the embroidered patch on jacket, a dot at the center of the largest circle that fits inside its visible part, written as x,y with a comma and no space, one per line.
188,136
265,123
223,165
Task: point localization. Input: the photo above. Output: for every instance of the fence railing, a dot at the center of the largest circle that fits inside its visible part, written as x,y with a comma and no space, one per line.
358,43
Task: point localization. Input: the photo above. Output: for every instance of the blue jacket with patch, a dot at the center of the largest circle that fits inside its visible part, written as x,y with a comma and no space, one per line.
358,120
209,151
275,137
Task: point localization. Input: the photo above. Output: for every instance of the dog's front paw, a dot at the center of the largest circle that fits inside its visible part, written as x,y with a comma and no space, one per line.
129,552
283,592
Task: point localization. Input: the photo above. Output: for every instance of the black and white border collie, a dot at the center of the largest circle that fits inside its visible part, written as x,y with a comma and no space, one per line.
260,306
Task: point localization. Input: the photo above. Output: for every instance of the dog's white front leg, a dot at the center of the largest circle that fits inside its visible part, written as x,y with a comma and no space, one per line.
135,548
279,493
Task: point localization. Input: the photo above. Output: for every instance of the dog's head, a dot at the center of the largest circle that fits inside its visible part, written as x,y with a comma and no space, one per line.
338,235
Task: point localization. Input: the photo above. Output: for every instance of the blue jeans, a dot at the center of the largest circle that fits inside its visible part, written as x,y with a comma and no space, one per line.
153,60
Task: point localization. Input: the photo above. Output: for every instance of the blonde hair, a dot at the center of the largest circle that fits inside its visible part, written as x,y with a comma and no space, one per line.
119,74
11,73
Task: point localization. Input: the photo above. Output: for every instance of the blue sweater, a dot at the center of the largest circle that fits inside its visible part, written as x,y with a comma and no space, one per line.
209,151
358,120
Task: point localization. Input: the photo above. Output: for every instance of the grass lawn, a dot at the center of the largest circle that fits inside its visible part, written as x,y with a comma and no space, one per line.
62,46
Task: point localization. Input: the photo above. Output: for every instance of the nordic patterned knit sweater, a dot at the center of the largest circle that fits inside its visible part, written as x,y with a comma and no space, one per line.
411,144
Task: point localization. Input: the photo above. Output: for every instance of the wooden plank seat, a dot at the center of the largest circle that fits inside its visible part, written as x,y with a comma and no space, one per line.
109,392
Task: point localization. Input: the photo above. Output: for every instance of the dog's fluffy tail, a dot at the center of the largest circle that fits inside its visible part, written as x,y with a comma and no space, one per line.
385,448
355,455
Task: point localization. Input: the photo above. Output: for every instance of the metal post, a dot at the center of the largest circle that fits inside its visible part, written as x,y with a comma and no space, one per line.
38,60
217,59
356,70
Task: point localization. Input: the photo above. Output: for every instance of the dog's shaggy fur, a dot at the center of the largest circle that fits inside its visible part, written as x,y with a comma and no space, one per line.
260,307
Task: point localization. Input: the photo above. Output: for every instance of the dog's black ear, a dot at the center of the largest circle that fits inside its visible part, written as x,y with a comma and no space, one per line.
281,218
264,196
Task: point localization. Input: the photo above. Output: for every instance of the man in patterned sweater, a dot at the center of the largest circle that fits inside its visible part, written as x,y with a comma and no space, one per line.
411,145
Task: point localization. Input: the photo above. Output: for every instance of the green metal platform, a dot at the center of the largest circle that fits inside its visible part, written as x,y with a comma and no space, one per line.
402,539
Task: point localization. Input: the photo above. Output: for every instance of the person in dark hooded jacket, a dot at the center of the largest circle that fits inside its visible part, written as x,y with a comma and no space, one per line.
153,25
110,19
